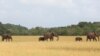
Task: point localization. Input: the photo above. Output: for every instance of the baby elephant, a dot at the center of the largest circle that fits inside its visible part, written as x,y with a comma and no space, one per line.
78,39
41,39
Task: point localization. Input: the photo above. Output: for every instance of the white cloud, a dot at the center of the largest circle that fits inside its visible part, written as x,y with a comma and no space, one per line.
2,1
3,12
24,1
49,12
48,2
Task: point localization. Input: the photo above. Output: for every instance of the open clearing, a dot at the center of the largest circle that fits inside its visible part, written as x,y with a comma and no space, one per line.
66,46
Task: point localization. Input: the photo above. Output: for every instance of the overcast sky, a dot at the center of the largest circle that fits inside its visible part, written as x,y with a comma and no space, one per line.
49,13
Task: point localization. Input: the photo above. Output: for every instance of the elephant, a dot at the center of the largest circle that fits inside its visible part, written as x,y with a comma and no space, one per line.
42,39
78,39
6,37
50,36
92,36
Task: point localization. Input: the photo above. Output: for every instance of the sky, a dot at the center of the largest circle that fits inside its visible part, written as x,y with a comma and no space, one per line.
49,13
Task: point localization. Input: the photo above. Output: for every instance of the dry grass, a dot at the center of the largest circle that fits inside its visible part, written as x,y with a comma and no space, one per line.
66,46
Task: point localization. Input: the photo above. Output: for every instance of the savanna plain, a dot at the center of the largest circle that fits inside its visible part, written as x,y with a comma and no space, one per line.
66,46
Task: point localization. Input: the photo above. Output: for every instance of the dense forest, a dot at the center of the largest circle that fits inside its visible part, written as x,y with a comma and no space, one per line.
80,29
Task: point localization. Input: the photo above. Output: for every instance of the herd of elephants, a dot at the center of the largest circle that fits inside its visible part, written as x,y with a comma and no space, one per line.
50,36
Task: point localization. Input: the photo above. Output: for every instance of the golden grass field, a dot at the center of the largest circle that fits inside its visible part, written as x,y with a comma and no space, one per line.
66,46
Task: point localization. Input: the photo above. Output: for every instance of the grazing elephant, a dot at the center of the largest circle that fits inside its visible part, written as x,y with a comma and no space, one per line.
6,37
50,35
78,39
92,36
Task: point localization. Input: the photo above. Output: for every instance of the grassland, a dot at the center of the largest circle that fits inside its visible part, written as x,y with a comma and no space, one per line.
66,46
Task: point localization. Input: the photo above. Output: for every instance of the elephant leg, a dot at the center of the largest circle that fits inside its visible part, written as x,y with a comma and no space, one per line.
90,39
46,39
51,39
94,39
11,39
87,39
2,39
6,40
80,39
98,38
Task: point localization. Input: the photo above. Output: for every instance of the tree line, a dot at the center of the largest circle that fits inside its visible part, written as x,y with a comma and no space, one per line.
80,29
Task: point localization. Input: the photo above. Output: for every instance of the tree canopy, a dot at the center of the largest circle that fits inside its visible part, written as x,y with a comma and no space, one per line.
80,29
